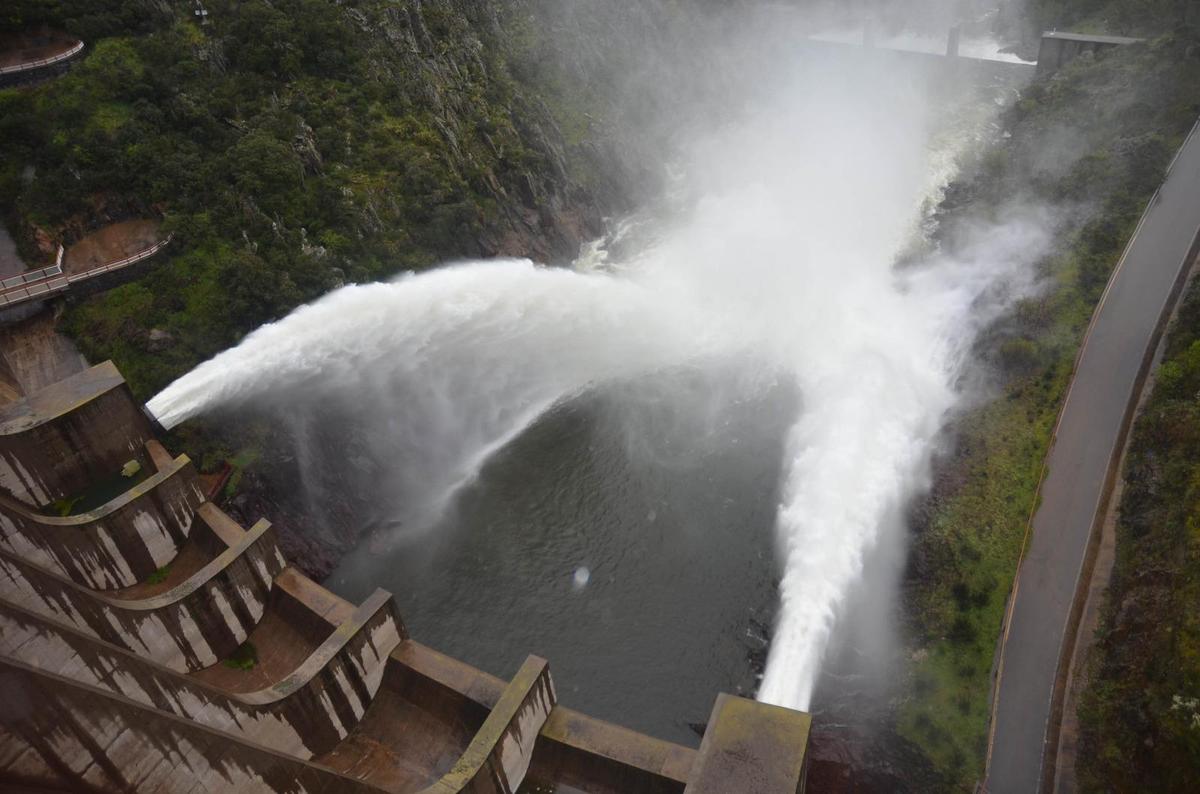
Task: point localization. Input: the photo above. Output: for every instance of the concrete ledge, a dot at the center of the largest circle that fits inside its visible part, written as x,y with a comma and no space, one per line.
751,746
593,755
192,626
470,683
34,56
573,748
257,548
58,441
41,63
159,457
939,63
118,544
499,756
1058,49
137,724
66,735
43,72
1091,38
331,690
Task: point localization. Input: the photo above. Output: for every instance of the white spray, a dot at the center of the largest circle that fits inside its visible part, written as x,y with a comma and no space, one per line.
784,260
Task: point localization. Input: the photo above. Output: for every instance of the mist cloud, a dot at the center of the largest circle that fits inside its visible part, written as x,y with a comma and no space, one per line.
800,175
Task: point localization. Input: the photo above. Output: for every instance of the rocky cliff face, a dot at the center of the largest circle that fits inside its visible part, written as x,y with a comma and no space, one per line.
449,57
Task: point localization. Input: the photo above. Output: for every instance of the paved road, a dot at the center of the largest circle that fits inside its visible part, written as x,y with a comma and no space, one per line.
1088,436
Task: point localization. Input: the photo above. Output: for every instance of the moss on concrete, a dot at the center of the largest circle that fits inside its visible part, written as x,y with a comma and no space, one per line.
245,657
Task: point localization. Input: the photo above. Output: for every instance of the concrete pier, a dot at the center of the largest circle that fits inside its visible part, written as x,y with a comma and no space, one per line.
1059,49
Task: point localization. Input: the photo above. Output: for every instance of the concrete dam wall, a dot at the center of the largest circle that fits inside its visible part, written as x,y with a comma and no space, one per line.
150,643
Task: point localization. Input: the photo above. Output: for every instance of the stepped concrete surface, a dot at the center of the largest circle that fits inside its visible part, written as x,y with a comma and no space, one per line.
151,644
118,543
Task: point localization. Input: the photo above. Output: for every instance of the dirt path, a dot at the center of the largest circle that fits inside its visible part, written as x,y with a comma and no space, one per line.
110,244
18,48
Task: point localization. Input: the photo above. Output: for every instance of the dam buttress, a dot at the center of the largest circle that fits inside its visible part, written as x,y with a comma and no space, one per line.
149,643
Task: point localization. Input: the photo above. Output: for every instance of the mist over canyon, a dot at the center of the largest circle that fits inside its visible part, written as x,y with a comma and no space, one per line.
780,306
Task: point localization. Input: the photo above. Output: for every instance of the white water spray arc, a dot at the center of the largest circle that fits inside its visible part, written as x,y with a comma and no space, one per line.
783,260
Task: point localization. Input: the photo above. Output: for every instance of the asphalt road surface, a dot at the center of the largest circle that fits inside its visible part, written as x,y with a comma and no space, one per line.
1088,436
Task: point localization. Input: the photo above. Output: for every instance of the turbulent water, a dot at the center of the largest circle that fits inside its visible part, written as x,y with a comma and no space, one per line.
777,263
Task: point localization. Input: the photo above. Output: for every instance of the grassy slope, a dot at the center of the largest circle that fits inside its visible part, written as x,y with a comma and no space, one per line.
1123,116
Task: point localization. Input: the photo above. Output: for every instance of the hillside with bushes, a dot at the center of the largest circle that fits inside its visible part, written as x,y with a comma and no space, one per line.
291,146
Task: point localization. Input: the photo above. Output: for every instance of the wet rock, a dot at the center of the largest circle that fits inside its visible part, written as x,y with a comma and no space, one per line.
159,340
44,242
844,760
304,144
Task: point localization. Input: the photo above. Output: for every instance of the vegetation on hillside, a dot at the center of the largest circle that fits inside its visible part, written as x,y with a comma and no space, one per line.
1113,17
290,145
1092,141
1140,713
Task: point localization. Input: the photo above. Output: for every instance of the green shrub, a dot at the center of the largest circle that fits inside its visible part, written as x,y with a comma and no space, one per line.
159,576
244,658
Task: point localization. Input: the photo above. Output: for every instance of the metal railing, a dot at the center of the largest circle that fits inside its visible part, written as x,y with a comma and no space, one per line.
120,263
28,65
51,281
43,289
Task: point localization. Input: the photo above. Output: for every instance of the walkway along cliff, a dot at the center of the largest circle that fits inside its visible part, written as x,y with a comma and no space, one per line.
149,643
36,56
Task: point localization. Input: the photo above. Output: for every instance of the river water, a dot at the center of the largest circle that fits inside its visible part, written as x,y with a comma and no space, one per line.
619,539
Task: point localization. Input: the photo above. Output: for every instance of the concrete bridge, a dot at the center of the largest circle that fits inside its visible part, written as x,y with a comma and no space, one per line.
1055,51
38,285
944,61
151,644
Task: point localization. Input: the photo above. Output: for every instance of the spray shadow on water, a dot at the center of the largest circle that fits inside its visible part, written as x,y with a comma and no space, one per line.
664,491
